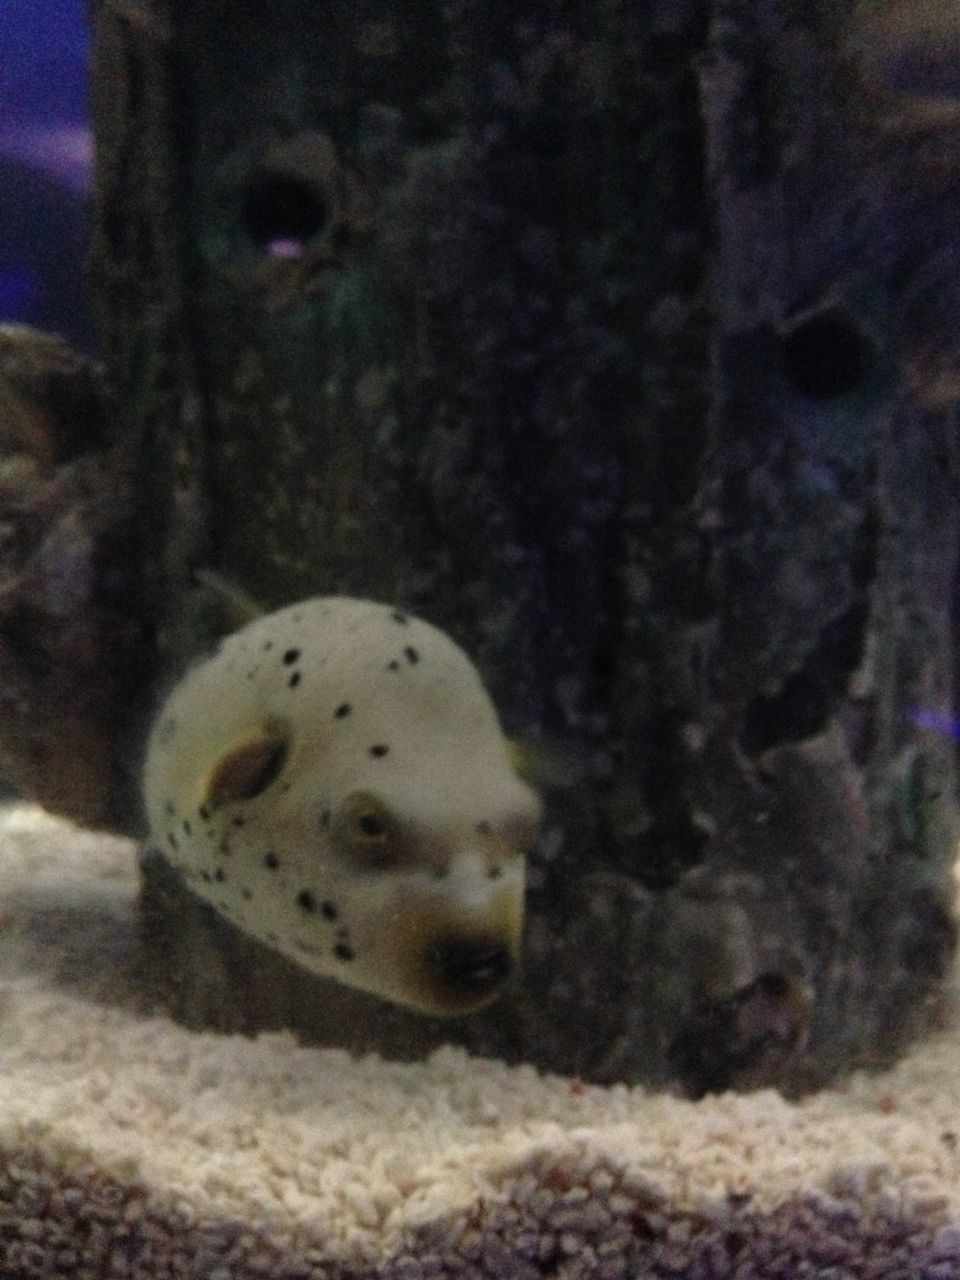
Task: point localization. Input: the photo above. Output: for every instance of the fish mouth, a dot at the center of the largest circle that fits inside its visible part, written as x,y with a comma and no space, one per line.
454,976
469,966
454,962
463,974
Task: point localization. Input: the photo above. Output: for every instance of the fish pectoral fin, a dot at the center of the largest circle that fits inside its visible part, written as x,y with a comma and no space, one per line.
247,769
546,765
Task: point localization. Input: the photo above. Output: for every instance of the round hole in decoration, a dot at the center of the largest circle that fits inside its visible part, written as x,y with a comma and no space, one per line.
827,355
282,212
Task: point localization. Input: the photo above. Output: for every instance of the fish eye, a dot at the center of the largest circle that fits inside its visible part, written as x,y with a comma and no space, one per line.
365,830
369,825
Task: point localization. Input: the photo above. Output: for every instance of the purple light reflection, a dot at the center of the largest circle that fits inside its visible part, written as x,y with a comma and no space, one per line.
935,722
65,152
285,247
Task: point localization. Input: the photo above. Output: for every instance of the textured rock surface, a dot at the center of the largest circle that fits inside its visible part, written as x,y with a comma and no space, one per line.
72,650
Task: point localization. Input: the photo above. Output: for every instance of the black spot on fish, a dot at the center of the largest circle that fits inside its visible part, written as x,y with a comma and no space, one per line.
187,829
342,951
224,847
268,645
204,813
393,666
171,808
219,875
294,679
482,828
325,818
411,655
400,618
271,861
379,750
494,873
306,901
206,877
173,840
239,820
247,894
343,710
290,657
329,910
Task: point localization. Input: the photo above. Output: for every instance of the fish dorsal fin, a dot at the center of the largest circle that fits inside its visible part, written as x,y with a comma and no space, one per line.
238,605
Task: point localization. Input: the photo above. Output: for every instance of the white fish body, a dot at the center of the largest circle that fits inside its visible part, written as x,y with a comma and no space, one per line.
335,781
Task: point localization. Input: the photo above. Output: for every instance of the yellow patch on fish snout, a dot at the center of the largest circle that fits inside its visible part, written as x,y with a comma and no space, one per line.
452,963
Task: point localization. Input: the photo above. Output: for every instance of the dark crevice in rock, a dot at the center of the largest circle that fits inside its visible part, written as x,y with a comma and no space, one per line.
725,1042
807,699
827,355
281,207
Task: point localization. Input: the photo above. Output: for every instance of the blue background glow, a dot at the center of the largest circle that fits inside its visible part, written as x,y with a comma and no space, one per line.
43,62
44,170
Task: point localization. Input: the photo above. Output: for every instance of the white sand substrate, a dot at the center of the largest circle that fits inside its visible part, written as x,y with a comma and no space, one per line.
133,1147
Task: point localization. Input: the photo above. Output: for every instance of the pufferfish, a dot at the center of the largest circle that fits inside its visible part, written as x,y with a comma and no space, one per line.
335,781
